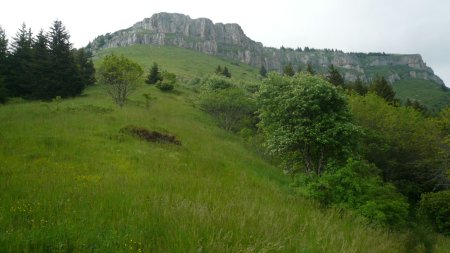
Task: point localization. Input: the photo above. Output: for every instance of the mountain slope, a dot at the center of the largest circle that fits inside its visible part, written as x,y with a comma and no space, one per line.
229,40
70,181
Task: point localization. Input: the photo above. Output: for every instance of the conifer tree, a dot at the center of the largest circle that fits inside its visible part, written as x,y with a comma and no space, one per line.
263,71
85,66
334,77
65,80
40,66
219,70
309,68
382,88
226,72
154,75
20,74
3,51
288,70
359,87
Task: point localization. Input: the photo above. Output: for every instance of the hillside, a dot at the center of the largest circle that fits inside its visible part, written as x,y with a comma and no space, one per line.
71,181
229,41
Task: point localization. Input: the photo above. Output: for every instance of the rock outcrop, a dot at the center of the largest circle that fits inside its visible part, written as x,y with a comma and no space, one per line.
229,41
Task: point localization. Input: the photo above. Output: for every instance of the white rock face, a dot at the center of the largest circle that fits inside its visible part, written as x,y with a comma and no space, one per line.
229,40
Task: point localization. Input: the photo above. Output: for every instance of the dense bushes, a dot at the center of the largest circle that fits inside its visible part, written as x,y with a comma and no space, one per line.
229,104
358,186
435,208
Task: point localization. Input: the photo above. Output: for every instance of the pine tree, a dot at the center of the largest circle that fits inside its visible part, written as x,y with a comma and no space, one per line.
359,87
154,75
334,77
65,79
20,76
309,68
226,72
85,66
219,70
3,51
382,88
40,66
263,71
288,70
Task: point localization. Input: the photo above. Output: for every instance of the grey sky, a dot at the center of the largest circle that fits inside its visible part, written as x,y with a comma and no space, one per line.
391,26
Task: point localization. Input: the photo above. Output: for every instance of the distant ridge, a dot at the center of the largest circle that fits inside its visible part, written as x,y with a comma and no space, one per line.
229,41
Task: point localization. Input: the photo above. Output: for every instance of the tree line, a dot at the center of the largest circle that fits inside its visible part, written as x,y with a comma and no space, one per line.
43,66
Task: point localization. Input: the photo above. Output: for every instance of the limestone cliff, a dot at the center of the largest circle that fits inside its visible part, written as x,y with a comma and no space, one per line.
229,40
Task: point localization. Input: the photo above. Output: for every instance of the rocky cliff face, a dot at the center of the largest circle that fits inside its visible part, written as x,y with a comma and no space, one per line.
228,40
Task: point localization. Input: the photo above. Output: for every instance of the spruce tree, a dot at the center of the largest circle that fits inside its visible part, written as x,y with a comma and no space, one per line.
309,68
154,75
219,70
226,72
65,79
263,71
334,77
288,70
3,51
40,66
85,66
20,76
359,87
382,88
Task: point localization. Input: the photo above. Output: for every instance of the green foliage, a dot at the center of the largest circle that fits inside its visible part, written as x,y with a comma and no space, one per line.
408,147
288,70
46,66
381,88
119,76
358,86
306,120
3,95
310,69
426,92
357,186
334,77
435,207
154,75
223,71
263,71
232,108
167,82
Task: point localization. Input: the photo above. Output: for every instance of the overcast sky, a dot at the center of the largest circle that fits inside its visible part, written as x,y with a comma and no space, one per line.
391,26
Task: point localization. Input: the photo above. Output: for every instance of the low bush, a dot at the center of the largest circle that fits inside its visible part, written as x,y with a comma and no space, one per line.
435,208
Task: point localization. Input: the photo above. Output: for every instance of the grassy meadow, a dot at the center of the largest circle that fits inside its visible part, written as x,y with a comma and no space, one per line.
70,181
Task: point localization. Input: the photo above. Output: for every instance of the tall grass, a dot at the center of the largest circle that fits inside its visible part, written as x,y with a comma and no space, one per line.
71,182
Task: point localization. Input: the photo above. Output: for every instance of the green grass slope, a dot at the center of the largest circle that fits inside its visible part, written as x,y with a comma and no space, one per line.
426,92
184,62
71,182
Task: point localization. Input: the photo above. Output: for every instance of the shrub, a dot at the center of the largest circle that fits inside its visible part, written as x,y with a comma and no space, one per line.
435,208
167,82
358,186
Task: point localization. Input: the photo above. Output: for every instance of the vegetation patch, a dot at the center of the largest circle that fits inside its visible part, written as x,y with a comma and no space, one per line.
150,136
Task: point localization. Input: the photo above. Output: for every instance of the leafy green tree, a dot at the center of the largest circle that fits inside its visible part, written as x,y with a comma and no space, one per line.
309,68
435,208
305,121
119,76
154,75
231,107
65,79
409,148
263,71
334,77
288,70
382,88
358,186
168,81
